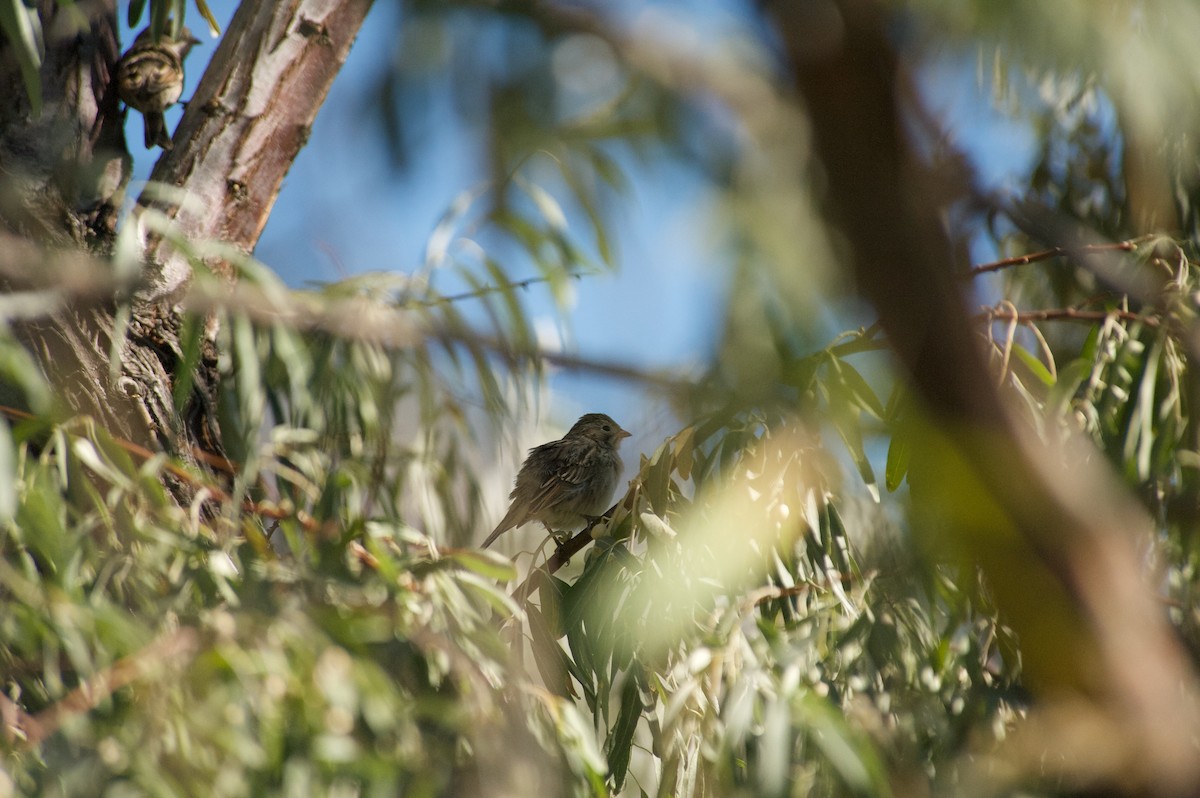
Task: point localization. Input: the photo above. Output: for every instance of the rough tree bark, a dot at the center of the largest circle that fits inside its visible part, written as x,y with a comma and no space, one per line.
64,178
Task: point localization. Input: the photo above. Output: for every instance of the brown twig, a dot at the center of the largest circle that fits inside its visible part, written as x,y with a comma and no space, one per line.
783,592
72,280
866,340
561,556
1064,314
1056,252
34,729
218,494
667,383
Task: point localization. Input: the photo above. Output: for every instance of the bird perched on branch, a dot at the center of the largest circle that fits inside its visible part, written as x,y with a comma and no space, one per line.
150,79
565,483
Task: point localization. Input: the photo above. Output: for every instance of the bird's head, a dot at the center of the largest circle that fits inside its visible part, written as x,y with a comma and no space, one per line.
600,428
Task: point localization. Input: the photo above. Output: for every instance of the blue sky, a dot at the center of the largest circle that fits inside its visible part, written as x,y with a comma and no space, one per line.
343,210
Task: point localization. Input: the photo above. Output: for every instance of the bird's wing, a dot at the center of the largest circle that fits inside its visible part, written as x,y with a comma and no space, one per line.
565,471
551,472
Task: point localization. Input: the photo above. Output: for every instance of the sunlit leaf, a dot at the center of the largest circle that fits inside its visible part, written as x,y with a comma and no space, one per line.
1035,366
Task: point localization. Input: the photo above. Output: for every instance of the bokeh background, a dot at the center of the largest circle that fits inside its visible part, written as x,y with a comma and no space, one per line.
369,190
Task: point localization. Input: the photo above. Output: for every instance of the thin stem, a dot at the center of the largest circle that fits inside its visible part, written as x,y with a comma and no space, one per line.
1047,254
1064,314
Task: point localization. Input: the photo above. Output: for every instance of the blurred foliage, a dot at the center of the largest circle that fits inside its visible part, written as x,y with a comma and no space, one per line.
752,618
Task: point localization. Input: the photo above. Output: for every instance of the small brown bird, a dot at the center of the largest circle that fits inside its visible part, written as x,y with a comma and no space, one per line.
566,482
150,79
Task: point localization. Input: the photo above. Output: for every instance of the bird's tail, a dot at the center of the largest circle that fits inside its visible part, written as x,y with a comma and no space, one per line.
509,521
156,130
500,530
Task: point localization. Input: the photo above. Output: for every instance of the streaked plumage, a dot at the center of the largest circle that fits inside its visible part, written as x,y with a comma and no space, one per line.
150,79
565,482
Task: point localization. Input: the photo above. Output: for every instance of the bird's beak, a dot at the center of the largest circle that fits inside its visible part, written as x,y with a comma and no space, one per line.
623,434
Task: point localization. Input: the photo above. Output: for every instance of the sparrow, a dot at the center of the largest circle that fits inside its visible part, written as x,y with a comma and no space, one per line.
565,483
150,79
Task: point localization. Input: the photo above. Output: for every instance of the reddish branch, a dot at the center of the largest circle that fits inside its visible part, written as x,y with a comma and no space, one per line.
33,729
562,555
217,493
1056,252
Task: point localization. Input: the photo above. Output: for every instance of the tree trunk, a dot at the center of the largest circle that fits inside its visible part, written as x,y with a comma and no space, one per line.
65,175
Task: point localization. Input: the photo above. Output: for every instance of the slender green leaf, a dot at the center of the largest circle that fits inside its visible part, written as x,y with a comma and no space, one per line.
22,28
207,14
133,14
619,744
1035,366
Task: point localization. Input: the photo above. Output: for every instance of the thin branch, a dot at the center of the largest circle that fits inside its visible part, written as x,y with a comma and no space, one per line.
489,288
1047,254
176,645
217,493
778,593
865,340
371,321
562,555
1064,314
53,281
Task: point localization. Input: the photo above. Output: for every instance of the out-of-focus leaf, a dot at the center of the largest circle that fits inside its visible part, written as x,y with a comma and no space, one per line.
552,662
608,170
851,435
191,342
178,16
582,664
587,199
684,446
438,245
852,756
486,564
1070,377
160,14
8,477
857,387
899,452
656,481
41,517
1139,422
133,14
547,205
18,368
207,14
619,744
1035,366
23,28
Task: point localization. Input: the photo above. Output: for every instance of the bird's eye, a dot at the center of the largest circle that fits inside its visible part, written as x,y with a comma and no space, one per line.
607,428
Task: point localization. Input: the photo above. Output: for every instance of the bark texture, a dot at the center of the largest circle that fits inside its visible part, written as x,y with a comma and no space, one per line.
250,115
65,174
